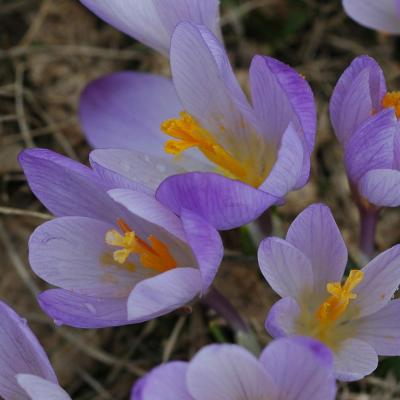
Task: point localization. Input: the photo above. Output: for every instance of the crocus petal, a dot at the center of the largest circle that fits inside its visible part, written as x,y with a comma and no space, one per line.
281,96
354,360
315,233
382,15
20,352
228,372
225,203
287,170
372,145
152,21
382,329
381,280
206,245
125,110
80,311
164,293
166,382
301,368
357,95
282,317
41,389
381,187
71,253
287,270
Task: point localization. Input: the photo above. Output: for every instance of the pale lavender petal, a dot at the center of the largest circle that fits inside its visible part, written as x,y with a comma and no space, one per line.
125,110
287,170
224,202
354,360
381,280
206,245
315,233
382,329
282,96
381,187
382,15
166,382
357,95
228,372
82,311
301,368
372,145
282,317
164,293
20,352
41,389
287,270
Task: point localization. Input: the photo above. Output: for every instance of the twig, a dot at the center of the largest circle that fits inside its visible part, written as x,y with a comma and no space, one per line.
24,213
171,342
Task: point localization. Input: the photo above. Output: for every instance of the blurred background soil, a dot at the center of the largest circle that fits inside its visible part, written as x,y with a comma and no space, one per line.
49,51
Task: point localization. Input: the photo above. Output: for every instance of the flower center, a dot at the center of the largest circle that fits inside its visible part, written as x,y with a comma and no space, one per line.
155,255
189,133
392,99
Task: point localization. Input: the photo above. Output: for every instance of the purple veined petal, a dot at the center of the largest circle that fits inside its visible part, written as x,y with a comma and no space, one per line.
357,95
38,388
166,382
381,280
381,329
164,293
71,253
287,170
315,233
20,352
382,15
381,187
125,110
281,96
208,89
301,368
226,372
80,311
224,202
206,245
372,145
354,360
287,270
282,317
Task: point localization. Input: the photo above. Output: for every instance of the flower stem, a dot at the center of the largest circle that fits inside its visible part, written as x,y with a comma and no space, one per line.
368,222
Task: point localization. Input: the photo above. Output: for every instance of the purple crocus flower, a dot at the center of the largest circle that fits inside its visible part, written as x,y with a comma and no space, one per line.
365,116
239,158
26,372
382,15
153,21
117,255
354,315
288,369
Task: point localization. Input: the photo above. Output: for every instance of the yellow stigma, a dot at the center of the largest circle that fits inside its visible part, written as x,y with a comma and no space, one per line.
155,255
189,133
392,99
336,305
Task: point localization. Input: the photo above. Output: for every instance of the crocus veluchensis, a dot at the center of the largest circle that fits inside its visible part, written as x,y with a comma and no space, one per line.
117,255
353,315
25,370
288,369
364,115
230,149
382,15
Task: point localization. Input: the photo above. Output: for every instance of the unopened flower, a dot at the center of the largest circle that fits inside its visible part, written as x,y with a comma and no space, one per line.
365,115
288,369
231,149
117,255
353,315
382,15
25,370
